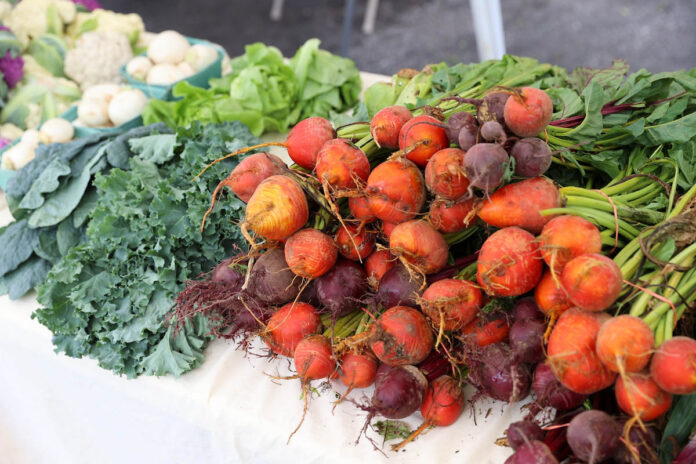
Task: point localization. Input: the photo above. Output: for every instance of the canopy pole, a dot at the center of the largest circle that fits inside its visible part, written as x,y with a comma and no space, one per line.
488,25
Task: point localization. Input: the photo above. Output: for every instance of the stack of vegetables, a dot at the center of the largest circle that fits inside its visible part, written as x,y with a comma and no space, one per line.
426,249
107,296
90,217
503,224
264,92
65,47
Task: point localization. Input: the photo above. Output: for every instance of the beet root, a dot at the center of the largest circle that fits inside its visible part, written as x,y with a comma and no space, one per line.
271,279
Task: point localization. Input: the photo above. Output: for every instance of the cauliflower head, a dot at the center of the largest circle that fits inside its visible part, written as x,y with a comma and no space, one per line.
97,58
131,25
31,18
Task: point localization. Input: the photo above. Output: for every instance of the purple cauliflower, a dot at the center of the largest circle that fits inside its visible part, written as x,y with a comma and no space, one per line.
12,69
91,5
4,142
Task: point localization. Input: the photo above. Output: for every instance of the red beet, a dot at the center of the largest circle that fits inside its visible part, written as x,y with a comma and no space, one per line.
386,125
341,289
521,432
456,123
306,138
500,378
399,391
401,335
594,436
527,340
485,165
551,393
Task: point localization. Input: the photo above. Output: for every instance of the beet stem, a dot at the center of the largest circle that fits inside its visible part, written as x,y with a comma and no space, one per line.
305,393
609,108
411,437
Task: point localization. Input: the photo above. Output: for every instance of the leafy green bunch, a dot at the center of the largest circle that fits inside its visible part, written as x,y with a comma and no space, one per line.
108,297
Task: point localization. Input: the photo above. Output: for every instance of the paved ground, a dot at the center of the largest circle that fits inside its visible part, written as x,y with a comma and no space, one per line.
656,34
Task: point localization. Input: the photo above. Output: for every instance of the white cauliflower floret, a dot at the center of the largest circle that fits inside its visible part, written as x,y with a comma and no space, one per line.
67,11
97,58
131,25
33,119
5,10
10,131
29,18
32,69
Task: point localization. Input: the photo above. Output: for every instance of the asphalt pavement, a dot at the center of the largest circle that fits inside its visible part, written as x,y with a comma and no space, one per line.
657,35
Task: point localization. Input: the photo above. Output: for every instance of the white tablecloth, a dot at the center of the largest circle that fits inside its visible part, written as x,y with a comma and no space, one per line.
55,409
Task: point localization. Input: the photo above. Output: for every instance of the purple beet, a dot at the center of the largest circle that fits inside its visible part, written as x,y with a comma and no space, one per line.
526,308
271,279
551,393
493,131
594,436
500,377
644,443
521,432
342,287
527,340
532,157
224,273
399,391
492,108
533,452
398,287
485,164
456,123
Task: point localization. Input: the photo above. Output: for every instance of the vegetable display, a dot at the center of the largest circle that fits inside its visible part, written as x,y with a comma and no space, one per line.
53,49
507,224
264,92
107,297
51,199
513,293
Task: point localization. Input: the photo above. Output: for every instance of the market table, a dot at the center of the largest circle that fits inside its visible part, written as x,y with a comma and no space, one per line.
62,410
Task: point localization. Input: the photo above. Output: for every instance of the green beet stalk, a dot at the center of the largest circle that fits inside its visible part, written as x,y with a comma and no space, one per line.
345,325
684,284
596,207
363,324
651,190
659,331
661,318
599,218
459,237
609,239
630,257
616,187
642,215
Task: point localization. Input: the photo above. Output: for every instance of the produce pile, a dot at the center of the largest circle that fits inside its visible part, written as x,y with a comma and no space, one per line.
505,225
432,246
94,193
264,92
55,49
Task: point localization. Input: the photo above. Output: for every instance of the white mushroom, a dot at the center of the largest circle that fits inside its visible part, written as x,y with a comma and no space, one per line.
126,105
169,47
